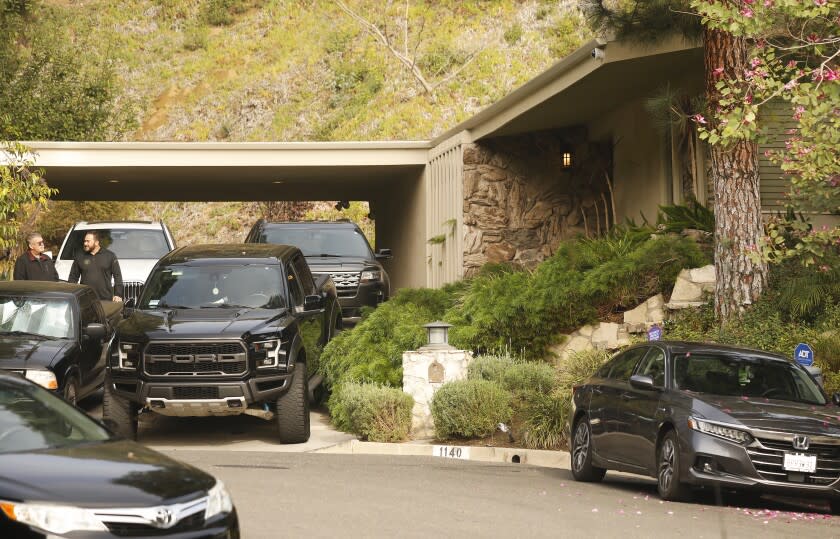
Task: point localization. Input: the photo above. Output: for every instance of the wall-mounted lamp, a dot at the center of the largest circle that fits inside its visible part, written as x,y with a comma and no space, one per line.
568,158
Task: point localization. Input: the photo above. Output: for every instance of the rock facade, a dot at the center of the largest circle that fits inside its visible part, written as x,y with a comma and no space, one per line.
424,371
693,288
520,202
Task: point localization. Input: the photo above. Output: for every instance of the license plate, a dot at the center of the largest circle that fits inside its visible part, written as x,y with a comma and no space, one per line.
800,462
451,452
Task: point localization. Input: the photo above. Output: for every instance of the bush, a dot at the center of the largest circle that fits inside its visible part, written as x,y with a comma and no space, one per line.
196,37
375,413
489,367
470,408
523,378
544,420
579,366
372,351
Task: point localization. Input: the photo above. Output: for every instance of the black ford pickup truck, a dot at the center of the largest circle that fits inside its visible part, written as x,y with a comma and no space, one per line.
56,334
223,330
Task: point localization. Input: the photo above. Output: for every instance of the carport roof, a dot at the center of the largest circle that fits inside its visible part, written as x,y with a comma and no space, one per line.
578,88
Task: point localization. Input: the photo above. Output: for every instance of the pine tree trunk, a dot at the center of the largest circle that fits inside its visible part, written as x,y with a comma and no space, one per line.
740,277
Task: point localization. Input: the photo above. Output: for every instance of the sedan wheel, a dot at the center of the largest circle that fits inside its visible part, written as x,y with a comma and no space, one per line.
71,392
582,468
668,473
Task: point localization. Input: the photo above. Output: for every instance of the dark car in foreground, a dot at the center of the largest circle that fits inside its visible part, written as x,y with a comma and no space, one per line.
56,334
694,415
340,249
63,474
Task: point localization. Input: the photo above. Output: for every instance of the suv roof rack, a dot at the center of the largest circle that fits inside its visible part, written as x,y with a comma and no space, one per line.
136,222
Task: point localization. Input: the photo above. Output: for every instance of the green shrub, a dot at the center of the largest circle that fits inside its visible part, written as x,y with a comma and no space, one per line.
513,34
372,351
579,366
523,378
375,413
677,217
196,37
470,408
489,367
544,420
220,12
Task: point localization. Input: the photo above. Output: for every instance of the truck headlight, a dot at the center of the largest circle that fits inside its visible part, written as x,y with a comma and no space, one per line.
218,501
57,519
369,276
274,354
720,430
129,355
43,378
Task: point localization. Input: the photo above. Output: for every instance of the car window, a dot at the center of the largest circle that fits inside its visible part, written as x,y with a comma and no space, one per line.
623,365
295,290
223,285
303,273
744,376
319,241
653,365
89,313
126,243
32,418
47,317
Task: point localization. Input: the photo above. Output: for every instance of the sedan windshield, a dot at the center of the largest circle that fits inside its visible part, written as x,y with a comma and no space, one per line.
344,242
744,376
47,317
224,286
32,418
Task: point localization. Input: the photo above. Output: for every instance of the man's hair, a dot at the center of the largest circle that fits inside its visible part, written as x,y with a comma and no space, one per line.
31,236
93,233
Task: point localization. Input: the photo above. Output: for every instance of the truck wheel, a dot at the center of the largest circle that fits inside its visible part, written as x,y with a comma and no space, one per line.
71,391
293,409
118,414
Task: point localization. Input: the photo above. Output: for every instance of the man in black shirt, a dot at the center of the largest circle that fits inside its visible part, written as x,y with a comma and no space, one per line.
96,266
34,265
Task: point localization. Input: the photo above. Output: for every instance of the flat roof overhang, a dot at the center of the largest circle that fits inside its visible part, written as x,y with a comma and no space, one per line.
208,171
581,87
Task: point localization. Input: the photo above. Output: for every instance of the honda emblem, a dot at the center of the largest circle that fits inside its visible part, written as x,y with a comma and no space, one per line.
801,442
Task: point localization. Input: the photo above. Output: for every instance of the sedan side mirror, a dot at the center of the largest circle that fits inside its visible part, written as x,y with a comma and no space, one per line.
313,303
642,381
836,398
95,331
384,253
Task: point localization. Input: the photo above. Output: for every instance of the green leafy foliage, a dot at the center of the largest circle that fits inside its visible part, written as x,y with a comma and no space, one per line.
489,367
523,378
544,420
372,351
23,192
470,408
374,412
678,217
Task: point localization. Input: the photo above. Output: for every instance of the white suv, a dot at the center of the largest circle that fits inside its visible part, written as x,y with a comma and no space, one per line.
137,244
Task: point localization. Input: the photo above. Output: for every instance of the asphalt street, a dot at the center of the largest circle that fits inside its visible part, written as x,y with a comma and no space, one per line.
296,490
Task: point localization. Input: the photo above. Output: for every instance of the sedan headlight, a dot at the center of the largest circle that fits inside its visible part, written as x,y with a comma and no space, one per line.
57,519
218,501
721,431
369,276
43,378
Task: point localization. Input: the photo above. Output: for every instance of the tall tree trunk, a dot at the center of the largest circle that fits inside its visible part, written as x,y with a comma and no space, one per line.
740,277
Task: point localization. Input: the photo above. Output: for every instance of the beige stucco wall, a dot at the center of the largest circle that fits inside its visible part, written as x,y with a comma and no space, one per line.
401,226
640,177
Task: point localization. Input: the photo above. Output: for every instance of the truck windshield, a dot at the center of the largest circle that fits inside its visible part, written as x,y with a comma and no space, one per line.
346,242
47,317
126,243
744,376
224,286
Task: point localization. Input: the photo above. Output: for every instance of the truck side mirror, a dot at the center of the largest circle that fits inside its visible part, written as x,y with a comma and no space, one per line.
313,303
95,331
130,303
384,254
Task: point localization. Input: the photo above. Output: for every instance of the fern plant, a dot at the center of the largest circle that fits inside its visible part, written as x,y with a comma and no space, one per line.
678,217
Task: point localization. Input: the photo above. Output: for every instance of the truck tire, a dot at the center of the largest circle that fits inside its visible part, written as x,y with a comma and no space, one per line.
71,391
293,409
118,414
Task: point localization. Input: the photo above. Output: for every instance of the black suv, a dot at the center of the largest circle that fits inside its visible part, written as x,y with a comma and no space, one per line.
338,248
223,330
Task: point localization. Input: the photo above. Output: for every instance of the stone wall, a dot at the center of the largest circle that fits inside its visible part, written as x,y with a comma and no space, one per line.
519,201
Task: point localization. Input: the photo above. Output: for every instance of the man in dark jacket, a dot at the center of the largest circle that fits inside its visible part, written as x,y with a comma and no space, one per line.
34,265
96,266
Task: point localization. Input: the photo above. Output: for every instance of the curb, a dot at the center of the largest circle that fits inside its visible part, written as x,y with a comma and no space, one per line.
510,455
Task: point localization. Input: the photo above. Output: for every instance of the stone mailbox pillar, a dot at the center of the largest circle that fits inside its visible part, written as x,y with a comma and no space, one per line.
425,370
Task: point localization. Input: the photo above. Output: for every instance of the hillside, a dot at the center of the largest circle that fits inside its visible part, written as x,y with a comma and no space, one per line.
308,70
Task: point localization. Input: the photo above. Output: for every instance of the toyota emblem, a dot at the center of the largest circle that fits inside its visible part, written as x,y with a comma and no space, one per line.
801,442
164,518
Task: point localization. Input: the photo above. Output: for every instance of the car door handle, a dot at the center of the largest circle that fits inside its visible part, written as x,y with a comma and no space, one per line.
627,397
597,390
